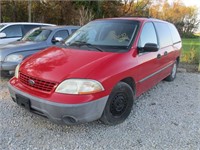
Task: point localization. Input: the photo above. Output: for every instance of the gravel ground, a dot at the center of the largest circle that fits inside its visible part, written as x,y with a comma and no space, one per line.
166,117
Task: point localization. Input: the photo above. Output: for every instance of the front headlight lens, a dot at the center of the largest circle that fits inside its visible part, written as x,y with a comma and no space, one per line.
17,71
79,86
14,58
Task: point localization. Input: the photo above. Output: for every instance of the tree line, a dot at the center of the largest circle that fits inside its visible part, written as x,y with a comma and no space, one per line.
80,12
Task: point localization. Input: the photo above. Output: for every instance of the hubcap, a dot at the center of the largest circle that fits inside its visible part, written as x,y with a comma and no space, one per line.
118,104
174,70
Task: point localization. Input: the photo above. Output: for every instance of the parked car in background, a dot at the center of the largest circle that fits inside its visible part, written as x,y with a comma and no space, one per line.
14,31
35,40
105,65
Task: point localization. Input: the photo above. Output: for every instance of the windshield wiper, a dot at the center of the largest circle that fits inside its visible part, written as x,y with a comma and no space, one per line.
76,43
81,43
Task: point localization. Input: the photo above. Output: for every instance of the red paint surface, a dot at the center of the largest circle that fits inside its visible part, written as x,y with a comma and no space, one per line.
57,64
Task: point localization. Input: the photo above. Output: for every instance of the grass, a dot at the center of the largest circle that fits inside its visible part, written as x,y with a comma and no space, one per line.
192,43
191,50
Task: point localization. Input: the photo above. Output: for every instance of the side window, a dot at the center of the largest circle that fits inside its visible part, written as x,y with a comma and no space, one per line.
13,31
148,35
29,27
62,33
175,35
73,30
164,34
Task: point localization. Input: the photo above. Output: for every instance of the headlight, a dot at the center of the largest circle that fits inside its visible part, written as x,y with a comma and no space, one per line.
17,71
14,58
79,86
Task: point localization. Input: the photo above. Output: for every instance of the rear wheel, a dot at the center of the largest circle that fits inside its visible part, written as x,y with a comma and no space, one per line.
119,104
172,76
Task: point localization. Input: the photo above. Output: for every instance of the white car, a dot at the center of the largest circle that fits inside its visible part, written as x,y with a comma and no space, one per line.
10,32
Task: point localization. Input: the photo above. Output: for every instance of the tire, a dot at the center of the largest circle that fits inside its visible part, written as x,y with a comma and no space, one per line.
172,75
119,104
4,73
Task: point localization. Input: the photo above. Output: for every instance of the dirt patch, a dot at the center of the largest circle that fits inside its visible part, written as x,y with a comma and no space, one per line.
3,88
189,67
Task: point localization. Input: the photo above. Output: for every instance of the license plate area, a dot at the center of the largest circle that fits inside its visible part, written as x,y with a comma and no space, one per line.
23,101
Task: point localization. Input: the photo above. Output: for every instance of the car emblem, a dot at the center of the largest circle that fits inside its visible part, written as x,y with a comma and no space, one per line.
31,82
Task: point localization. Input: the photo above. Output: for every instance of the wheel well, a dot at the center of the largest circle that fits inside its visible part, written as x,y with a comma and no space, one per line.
130,81
178,59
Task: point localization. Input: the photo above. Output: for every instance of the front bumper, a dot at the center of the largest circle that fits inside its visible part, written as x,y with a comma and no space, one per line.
63,113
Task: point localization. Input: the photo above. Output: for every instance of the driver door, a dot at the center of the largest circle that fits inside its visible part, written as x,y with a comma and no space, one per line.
148,61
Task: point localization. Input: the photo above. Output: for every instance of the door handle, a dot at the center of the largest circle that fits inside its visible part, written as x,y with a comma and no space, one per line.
159,56
165,53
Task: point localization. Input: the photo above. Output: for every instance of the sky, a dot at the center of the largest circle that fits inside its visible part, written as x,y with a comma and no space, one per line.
191,3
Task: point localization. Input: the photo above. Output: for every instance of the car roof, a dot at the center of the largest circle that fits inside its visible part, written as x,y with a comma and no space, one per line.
141,19
25,23
59,27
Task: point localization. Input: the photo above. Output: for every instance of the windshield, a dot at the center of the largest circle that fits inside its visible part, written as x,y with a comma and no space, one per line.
1,26
37,35
108,34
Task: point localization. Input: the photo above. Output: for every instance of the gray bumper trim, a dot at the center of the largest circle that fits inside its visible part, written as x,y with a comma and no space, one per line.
64,113
9,66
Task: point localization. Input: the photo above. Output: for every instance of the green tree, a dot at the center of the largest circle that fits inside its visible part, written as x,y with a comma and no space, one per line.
184,17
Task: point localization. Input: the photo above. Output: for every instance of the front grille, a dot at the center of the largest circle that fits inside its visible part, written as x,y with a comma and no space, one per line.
36,83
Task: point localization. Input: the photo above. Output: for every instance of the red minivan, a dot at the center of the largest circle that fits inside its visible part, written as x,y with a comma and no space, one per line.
99,71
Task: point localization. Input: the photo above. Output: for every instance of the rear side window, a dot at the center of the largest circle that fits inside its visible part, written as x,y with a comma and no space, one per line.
73,30
175,35
62,33
148,35
164,34
29,27
1,26
13,31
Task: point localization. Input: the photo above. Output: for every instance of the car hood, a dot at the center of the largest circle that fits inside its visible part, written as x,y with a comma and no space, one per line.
20,46
56,64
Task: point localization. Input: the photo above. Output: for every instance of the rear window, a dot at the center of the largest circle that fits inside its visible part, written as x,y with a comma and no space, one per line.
73,30
1,26
175,35
13,31
164,34
29,27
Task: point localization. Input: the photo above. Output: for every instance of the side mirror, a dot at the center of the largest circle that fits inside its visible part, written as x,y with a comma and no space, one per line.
149,47
57,39
2,35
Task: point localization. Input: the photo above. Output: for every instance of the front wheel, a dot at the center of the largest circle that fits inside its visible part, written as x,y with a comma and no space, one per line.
172,76
119,104
4,73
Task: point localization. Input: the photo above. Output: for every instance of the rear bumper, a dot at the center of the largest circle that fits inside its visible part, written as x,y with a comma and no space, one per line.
63,113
